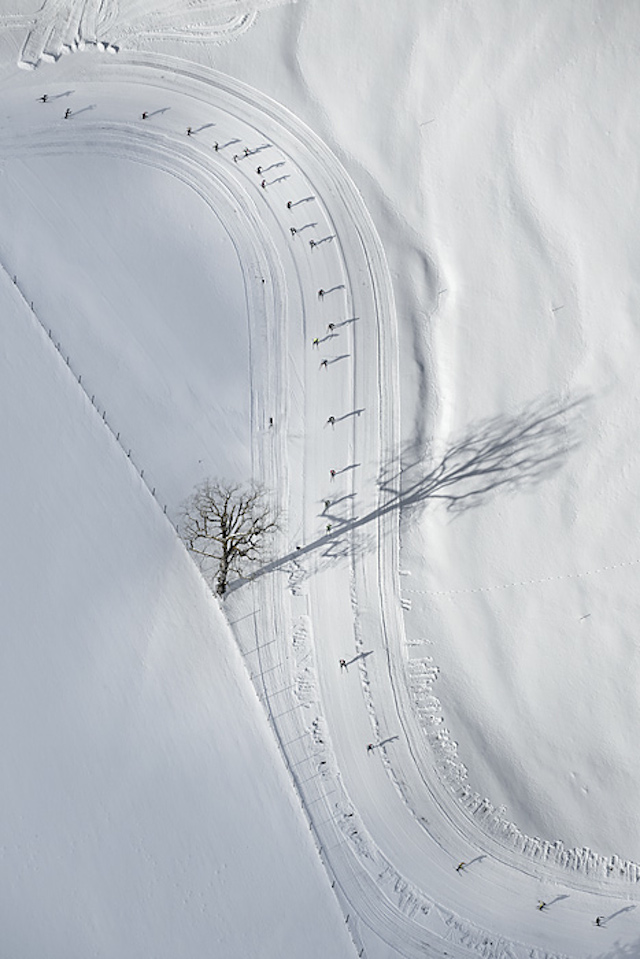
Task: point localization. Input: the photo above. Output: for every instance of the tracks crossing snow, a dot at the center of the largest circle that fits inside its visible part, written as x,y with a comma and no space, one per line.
387,828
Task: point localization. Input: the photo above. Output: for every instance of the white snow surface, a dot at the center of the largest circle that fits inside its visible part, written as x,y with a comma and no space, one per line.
469,175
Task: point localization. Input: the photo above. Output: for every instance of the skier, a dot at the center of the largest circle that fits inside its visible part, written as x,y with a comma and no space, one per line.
328,527
324,364
320,293
246,151
264,184
343,664
289,204
259,170
189,131
216,146
460,866
316,342
293,230
332,474
599,920
44,97
67,113
235,157
541,905
330,327
144,115
312,243
327,503
332,420
370,748
270,422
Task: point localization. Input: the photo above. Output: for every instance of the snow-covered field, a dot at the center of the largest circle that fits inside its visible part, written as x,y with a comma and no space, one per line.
187,778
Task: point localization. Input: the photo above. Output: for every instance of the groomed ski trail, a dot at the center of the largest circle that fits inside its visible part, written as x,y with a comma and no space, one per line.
388,831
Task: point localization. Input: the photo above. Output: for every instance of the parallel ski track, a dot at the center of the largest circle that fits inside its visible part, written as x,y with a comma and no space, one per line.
368,881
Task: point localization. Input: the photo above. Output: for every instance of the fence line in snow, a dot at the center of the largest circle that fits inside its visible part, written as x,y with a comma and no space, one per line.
91,397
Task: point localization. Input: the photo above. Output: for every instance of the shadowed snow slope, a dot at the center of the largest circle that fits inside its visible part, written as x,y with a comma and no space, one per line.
145,808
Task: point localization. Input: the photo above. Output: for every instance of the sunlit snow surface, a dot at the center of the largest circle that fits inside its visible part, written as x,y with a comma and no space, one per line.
490,369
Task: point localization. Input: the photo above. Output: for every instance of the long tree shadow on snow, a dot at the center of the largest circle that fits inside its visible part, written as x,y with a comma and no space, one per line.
501,453
504,453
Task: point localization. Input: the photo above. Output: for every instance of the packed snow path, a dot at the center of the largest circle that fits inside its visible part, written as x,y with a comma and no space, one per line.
387,829
64,26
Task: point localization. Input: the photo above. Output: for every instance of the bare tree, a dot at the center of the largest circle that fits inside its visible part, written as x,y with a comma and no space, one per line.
225,526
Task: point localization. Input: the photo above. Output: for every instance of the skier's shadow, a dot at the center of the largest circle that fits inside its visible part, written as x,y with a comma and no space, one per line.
274,166
330,514
157,113
336,359
325,239
346,416
360,656
305,199
263,146
58,96
346,469
76,113
389,739
307,226
333,289
229,143
336,502
614,915
205,126
552,902
352,319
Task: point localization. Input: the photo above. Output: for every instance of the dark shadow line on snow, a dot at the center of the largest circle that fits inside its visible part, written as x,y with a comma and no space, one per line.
389,739
358,656
273,166
346,416
76,113
506,453
614,915
332,289
336,359
558,898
